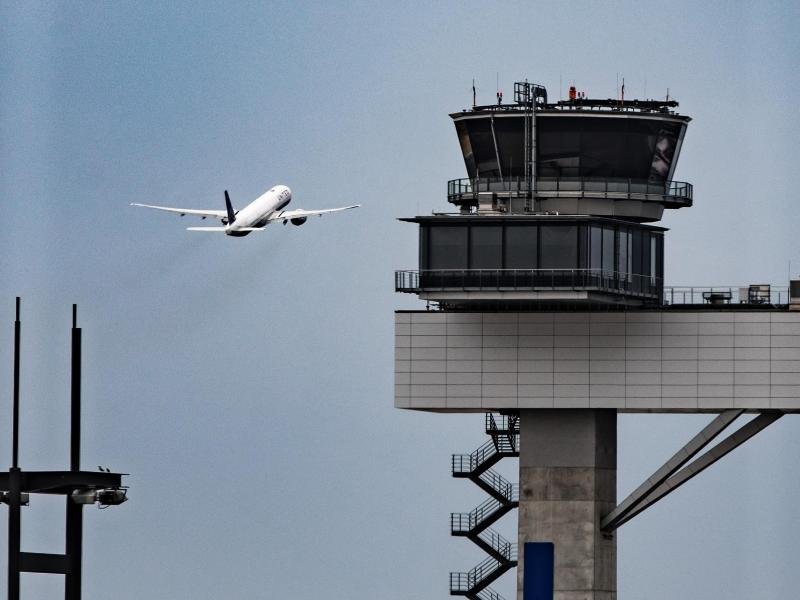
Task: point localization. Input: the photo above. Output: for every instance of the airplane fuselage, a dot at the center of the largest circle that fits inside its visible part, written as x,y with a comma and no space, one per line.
267,208
259,211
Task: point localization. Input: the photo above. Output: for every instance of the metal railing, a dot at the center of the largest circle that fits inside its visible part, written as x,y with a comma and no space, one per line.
754,295
504,548
527,280
500,424
475,525
466,522
467,463
489,594
464,582
503,487
673,192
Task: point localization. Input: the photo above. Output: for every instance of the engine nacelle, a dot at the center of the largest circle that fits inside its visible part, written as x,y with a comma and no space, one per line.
299,221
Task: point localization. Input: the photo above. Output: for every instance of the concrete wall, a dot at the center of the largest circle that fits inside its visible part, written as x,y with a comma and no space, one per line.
657,361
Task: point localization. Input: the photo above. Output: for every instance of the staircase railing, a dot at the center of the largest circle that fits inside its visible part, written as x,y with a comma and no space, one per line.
498,486
504,441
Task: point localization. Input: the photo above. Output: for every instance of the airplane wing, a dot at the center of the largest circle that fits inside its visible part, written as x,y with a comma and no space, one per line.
299,213
217,214
223,229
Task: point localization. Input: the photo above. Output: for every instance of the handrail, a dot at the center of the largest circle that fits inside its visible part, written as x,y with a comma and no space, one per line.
501,485
465,581
527,280
467,521
467,463
501,424
508,550
489,594
680,192
753,295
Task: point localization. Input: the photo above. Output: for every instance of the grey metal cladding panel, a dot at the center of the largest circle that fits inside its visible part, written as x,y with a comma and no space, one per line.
635,361
428,317
464,329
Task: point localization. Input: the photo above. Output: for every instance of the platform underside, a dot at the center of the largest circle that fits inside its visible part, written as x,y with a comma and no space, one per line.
636,361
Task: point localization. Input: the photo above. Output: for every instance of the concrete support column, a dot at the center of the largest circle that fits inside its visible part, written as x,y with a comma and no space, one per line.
568,481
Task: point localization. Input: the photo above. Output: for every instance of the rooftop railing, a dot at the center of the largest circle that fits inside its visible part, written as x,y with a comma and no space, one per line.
676,193
449,280
752,295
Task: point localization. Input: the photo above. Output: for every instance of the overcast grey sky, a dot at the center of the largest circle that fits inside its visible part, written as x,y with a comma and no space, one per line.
246,384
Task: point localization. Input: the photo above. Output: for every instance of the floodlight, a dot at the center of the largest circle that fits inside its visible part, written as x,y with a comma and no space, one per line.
24,498
112,497
85,496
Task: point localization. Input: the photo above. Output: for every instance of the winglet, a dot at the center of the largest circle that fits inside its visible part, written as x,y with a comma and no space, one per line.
231,215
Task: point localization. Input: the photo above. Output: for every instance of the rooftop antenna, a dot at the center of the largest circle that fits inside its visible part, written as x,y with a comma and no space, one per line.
474,103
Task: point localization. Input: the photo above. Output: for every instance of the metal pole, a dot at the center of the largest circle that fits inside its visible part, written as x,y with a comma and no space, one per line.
74,530
15,434
74,550
14,527
75,437
14,478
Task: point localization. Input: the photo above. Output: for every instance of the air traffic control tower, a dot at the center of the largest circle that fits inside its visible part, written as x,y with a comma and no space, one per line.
546,309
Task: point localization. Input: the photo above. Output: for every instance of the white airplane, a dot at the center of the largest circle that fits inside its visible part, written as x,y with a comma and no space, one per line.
266,209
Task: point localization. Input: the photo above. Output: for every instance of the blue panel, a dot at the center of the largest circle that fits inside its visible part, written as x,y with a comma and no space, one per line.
537,574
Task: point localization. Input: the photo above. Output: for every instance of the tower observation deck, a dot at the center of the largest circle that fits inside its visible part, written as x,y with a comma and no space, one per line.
556,205
546,309
581,156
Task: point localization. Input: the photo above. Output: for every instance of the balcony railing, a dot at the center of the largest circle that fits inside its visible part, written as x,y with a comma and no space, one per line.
450,280
679,193
753,295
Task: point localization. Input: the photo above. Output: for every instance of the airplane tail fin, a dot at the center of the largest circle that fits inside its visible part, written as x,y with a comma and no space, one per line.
231,214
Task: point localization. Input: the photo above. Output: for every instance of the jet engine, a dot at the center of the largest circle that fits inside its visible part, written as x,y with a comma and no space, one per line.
299,221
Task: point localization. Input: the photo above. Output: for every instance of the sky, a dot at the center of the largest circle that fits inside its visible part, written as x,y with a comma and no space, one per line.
247,384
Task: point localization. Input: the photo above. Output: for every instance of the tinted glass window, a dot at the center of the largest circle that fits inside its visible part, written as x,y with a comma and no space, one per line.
447,248
484,157
596,248
521,247
636,251
486,247
466,148
604,147
653,257
559,247
608,251
583,246
624,260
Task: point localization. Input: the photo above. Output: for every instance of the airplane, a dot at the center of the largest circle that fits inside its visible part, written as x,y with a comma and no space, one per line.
267,208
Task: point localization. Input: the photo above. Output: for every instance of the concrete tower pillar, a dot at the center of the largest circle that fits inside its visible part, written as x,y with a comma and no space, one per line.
568,480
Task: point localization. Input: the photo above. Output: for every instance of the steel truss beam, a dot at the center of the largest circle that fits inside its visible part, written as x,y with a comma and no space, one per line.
669,478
